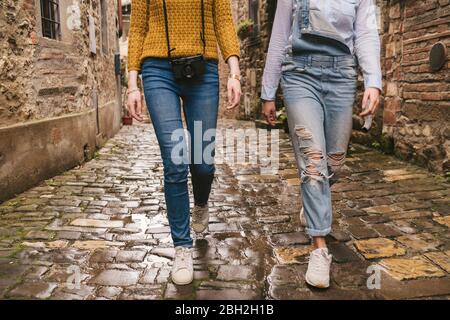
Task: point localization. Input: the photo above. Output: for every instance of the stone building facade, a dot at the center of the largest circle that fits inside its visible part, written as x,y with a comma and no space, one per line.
59,87
413,121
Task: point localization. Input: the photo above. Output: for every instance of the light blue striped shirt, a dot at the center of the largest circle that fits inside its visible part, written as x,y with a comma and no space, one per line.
354,22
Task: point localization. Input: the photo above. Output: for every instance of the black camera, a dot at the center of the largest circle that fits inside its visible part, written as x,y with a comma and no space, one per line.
188,68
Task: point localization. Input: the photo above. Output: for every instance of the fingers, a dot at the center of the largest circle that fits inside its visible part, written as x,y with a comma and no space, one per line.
371,95
272,117
135,108
269,112
234,95
132,112
130,107
271,120
373,105
365,110
139,110
236,98
268,118
230,96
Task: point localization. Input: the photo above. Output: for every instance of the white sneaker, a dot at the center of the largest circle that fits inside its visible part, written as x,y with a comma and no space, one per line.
303,218
182,270
200,218
318,274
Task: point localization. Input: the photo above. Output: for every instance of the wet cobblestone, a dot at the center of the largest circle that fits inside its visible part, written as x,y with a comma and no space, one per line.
102,226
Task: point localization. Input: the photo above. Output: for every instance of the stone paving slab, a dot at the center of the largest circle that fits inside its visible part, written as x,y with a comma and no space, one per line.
99,231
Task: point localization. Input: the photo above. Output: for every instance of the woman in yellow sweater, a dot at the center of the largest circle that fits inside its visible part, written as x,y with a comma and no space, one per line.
173,44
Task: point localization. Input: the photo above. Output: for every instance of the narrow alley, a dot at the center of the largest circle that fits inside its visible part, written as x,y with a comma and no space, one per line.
99,231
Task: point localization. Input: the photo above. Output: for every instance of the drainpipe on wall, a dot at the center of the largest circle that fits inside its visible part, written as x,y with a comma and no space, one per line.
117,59
119,16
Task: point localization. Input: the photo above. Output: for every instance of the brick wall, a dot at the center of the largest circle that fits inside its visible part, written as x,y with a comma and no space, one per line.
417,105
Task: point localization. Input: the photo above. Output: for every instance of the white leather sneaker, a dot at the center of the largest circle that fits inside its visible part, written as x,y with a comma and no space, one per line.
318,274
183,269
200,218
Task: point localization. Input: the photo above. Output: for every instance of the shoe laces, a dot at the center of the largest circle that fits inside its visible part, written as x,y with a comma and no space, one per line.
319,261
182,257
198,212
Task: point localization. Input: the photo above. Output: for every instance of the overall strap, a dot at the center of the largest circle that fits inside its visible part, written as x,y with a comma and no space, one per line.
304,17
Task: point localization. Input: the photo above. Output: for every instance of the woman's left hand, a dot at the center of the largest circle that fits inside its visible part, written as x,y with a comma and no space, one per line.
234,93
373,96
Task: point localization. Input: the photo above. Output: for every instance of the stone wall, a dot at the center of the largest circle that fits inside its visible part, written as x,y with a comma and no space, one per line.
253,53
45,80
17,23
417,106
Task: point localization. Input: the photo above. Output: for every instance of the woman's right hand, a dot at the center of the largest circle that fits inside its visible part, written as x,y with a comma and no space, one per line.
269,111
135,105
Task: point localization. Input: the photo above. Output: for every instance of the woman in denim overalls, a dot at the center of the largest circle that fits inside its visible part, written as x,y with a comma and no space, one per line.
315,48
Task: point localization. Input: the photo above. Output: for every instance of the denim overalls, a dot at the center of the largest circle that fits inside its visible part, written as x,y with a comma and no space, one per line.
319,93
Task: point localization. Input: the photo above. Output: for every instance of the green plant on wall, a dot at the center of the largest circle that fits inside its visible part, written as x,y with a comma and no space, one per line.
254,110
245,28
281,115
282,118
255,107
123,75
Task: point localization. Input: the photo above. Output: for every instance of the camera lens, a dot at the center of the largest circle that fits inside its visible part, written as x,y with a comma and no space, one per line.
188,71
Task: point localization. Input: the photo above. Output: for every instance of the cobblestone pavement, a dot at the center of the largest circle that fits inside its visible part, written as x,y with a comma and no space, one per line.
103,224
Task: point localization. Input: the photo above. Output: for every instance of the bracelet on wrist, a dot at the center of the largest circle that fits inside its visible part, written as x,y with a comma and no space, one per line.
132,90
234,76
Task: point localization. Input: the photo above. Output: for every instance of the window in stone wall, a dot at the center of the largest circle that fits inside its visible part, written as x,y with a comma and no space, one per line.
253,14
104,22
51,26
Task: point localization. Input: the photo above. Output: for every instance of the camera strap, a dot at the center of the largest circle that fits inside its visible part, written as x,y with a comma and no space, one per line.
148,14
166,23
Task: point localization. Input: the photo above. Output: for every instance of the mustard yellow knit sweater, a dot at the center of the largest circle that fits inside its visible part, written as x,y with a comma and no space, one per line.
185,23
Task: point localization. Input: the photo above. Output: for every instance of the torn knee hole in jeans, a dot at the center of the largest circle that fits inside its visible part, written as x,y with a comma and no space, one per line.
311,170
303,133
311,153
336,160
314,158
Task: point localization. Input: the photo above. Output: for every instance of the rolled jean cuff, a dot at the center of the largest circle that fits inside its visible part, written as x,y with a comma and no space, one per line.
317,233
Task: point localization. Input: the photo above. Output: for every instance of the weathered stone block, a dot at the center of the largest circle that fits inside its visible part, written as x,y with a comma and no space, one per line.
292,255
119,278
379,248
411,268
97,223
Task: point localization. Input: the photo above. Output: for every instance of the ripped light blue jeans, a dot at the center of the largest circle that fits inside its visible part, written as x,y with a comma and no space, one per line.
319,92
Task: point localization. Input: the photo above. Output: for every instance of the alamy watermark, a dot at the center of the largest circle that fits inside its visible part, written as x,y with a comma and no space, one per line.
374,280
252,146
73,281
73,21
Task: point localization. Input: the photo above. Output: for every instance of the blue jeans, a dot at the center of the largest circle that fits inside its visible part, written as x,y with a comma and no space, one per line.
319,92
200,98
